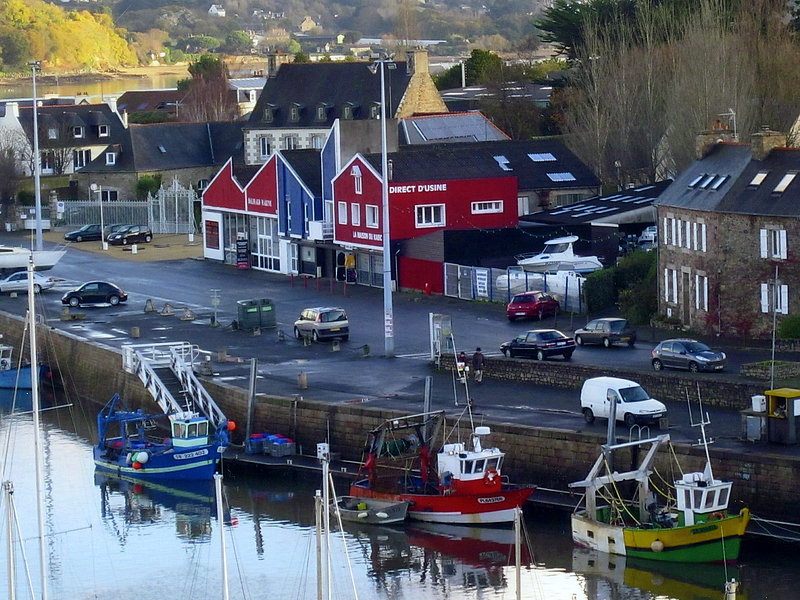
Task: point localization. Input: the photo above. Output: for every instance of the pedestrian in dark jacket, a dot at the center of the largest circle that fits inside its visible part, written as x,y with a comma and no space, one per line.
478,362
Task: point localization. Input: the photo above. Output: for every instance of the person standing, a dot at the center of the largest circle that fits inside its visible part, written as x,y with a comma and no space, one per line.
478,362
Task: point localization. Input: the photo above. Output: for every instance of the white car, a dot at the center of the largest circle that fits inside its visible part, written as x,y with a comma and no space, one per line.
633,404
18,282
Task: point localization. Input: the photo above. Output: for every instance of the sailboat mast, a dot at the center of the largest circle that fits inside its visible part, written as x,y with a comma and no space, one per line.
8,491
37,442
221,523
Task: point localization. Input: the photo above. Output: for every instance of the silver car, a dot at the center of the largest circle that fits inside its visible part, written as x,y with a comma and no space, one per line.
18,282
322,322
687,354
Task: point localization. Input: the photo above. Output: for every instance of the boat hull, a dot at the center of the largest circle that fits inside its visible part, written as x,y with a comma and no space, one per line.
190,464
9,379
370,510
16,259
465,509
708,542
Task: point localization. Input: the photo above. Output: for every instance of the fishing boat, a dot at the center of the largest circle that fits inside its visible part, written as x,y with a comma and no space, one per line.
19,378
15,258
131,443
465,485
693,525
558,255
369,510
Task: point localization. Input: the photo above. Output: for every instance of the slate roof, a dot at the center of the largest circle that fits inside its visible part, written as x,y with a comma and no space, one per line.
693,188
88,116
151,101
765,198
470,96
602,208
334,84
307,163
472,126
521,159
169,146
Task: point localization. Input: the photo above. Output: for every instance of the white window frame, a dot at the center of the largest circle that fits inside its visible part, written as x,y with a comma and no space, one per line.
372,212
487,207
341,218
81,158
355,214
701,292
77,131
316,142
773,243
264,146
103,131
781,298
52,133
111,158
290,142
426,215
687,235
671,285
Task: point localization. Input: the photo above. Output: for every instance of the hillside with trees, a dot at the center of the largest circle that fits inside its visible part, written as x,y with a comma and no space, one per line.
68,40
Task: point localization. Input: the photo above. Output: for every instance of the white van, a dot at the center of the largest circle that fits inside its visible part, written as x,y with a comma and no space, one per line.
634,405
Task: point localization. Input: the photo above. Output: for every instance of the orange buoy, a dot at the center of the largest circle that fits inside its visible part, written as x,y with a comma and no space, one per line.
231,425
137,465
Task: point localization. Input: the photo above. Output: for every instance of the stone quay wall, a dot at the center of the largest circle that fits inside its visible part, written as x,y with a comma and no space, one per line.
550,458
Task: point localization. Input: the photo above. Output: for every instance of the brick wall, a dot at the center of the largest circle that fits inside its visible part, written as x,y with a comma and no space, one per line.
550,458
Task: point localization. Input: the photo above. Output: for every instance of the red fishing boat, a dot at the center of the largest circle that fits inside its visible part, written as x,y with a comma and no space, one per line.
464,484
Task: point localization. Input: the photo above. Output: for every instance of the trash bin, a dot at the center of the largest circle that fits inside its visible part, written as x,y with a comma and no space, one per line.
249,317
266,310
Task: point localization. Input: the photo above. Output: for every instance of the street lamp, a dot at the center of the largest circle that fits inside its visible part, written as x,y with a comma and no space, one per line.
388,313
36,65
99,189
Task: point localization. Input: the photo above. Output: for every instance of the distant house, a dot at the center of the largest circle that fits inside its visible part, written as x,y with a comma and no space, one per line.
307,24
729,236
216,10
151,105
301,101
70,136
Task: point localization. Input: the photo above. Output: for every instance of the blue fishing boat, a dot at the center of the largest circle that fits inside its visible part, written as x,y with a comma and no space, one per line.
133,444
18,378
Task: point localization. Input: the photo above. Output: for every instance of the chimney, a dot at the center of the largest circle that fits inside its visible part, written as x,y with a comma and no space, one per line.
762,142
417,61
709,138
12,110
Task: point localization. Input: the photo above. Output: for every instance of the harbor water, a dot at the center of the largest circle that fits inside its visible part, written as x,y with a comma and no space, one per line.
110,538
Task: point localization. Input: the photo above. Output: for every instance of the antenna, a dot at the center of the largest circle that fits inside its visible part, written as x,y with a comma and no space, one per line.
731,114
703,441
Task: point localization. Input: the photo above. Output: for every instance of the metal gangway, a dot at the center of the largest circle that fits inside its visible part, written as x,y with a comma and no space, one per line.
167,371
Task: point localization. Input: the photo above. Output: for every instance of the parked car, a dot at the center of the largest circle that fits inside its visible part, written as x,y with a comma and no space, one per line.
18,282
114,228
531,304
86,233
649,235
131,234
606,331
95,292
539,343
322,322
633,404
687,354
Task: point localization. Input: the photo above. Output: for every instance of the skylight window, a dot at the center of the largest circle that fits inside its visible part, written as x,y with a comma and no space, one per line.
561,176
759,178
541,157
784,183
706,181
697,180
162,149
503,162
718,183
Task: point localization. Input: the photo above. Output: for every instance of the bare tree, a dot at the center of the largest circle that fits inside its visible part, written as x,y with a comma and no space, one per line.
209,97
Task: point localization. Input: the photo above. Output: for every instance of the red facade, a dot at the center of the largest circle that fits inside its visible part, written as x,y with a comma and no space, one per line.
262,191
223,191
417,208
260,195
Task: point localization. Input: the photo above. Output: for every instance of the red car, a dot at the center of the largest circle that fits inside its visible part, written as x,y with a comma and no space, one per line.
531,304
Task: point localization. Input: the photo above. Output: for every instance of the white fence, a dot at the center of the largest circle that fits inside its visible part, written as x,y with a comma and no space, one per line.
499,285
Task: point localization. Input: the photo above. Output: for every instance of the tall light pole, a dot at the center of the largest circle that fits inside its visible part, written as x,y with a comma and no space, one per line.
36,65
388,312
99,189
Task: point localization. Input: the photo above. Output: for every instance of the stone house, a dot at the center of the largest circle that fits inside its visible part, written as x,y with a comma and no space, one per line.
301,101
729,233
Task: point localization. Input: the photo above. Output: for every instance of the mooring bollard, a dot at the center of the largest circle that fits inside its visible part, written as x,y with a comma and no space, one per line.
335,346
302,380
134,332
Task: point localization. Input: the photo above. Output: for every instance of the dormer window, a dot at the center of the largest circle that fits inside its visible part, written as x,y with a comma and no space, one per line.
294,113
322,112
111,158
103,131
269,113
347,111
375,110
52,133
77,131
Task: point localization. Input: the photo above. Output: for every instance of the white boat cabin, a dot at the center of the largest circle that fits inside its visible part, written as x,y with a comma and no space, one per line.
189,431
701,494
456,461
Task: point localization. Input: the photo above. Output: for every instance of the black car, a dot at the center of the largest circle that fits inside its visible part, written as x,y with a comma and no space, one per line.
95,292
86,233
131,234
606,331
687,354
540,343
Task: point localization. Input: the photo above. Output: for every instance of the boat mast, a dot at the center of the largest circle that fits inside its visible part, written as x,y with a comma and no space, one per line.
37,442
518,549
221,522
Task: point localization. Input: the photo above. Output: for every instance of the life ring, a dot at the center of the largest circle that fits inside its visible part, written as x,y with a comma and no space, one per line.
490,476
716,516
